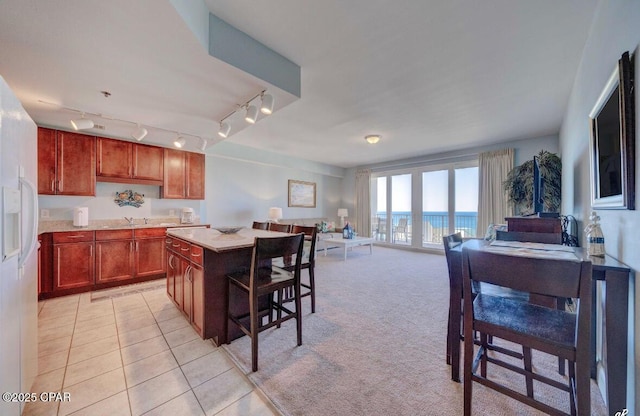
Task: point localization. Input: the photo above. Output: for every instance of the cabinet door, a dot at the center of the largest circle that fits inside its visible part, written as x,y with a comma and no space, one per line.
150,256
187,288
46,161
45,263
73,265
174,174
148,162
171,274
194,168
114,260
197,296
113,158
76,164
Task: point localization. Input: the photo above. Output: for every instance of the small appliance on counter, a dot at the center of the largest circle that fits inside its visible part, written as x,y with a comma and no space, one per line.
187,216
81,216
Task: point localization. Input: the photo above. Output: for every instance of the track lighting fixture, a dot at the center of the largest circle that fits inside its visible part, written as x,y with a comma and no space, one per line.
224,130
139,133
372,138
179,142
203,145
82,123
252,114
267,104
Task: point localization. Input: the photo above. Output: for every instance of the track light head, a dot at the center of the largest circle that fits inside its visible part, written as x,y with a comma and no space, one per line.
252,114
139,133
267,104
179,142
203,145
224,130
82,123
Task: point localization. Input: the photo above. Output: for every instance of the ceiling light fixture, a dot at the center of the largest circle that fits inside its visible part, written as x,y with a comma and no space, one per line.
139,133
372,138
179,142
252,114
82,123
203,145
266,107
224,130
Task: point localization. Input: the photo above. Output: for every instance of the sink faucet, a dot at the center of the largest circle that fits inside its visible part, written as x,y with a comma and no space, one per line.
129,220
146,220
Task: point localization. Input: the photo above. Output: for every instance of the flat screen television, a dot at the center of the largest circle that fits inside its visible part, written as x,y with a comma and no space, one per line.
538,192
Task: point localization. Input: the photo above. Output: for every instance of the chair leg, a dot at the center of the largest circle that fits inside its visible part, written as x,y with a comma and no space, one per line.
468,369
312,284
279,308
449,338
583,392
254,333
298,314
526,353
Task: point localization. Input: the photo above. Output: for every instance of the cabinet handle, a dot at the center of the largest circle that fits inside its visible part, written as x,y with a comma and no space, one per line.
76,236
53,185
170,261
175,245
195,255
137,247
130,247
184,249
60,185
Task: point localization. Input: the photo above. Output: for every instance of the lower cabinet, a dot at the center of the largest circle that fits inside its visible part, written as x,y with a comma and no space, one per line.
185,280
73,260
114,251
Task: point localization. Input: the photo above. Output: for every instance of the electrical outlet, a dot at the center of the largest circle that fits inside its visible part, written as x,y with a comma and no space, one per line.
172,212
44,213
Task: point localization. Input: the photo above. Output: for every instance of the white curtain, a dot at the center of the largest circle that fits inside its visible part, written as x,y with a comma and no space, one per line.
493,207
363,203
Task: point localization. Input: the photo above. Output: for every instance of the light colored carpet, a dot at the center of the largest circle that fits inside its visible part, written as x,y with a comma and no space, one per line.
376,345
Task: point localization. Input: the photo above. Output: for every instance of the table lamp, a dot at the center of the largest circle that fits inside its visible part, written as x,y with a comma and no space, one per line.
275,214
342,212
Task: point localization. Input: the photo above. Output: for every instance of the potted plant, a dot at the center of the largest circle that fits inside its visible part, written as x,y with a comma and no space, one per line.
519,183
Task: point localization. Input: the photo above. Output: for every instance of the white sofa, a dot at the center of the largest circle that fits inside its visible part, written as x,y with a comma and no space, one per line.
324,239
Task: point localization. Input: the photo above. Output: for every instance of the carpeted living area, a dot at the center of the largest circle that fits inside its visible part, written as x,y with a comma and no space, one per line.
376,345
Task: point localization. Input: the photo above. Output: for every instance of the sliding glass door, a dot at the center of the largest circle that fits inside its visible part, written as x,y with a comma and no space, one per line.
419,206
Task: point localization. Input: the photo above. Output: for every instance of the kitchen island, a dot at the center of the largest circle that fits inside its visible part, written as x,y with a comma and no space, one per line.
198,261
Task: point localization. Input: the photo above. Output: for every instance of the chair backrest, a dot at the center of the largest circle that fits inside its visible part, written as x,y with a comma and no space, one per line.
283,228
310,237
450,241
257,225
402,223
529,237
266,249
543,276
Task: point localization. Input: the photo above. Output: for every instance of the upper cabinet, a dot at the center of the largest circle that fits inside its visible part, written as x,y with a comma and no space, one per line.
183,175
126,162
66,163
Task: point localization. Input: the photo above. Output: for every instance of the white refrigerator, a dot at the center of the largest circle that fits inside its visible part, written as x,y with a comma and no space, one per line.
18,241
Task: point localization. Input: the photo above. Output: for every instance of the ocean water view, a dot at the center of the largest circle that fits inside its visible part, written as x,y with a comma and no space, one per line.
435,224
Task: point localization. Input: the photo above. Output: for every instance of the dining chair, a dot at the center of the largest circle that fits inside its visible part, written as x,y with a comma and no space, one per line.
401,228
283,228
552,331
308,262
264,280
257,225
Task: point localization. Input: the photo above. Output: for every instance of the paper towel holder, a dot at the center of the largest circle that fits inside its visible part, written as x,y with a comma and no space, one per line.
81,216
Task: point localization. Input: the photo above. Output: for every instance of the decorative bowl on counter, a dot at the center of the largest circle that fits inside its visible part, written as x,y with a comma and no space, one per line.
228,230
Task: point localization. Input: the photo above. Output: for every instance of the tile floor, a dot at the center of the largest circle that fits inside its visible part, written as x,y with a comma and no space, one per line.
134,354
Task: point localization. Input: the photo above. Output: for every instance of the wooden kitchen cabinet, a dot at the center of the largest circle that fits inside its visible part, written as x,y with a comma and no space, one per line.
114,251
73,260
197,296
183,175
126,162
66,163
150,252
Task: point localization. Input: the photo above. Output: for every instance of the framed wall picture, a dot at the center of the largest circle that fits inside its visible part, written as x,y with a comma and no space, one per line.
612,145
302,194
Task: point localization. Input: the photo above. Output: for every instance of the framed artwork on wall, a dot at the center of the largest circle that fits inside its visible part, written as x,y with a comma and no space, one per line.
302,194
612,145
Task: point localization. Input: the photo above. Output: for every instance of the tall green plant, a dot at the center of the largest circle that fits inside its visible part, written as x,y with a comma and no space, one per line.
519,183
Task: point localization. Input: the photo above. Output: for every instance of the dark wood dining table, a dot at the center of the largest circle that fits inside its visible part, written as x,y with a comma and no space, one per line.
616,277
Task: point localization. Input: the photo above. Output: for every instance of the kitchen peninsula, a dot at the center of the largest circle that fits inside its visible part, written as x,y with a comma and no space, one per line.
198,261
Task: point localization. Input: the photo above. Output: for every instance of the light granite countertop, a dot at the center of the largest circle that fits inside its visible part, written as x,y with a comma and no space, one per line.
116,224
214,240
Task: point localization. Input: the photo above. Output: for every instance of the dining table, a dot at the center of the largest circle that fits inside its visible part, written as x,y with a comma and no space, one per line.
608,363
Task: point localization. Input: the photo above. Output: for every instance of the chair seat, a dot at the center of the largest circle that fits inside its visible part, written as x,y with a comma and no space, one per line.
525,319
269,280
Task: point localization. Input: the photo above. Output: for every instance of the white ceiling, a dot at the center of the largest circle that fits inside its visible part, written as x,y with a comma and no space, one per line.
429,76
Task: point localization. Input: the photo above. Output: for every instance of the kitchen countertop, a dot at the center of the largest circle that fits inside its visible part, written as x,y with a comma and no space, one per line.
118,224
214,240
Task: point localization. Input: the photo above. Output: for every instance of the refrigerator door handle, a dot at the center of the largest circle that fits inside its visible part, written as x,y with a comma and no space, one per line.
31,239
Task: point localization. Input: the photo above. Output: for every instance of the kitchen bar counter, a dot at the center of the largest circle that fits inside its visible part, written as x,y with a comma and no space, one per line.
216,241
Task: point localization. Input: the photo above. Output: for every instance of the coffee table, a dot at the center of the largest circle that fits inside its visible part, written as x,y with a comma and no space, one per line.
351,242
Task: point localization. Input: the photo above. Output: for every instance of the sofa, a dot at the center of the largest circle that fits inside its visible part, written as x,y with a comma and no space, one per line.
324,238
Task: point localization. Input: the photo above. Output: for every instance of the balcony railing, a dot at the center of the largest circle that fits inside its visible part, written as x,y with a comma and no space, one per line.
434,227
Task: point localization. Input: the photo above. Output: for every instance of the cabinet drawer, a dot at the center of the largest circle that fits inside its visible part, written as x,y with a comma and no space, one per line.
105,235
185,248
72,237
168,242
150,232
196,254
